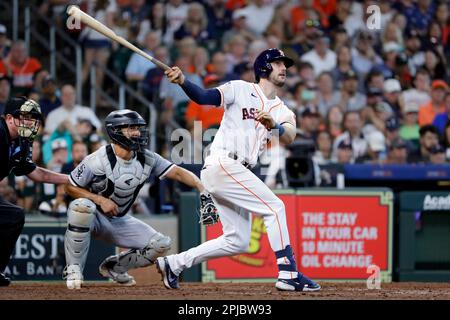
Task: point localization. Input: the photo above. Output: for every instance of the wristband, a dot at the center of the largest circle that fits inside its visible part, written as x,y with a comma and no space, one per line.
280,129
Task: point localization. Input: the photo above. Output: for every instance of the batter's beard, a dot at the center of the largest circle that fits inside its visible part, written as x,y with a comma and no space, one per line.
278,83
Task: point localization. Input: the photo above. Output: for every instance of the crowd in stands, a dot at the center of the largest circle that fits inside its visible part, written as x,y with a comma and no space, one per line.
360,94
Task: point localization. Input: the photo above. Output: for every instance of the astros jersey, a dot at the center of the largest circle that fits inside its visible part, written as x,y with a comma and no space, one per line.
103,173
239,132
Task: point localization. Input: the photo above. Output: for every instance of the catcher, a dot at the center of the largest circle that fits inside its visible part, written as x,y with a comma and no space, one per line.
105,185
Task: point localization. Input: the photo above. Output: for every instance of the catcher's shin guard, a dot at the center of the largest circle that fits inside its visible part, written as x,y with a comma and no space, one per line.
78,235
135,258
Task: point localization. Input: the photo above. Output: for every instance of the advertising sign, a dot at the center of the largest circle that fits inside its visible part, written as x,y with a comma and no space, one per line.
334,235
39,254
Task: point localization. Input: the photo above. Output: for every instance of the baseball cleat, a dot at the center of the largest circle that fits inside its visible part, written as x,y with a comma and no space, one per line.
302,283
73,276
169,278
4,280
124,279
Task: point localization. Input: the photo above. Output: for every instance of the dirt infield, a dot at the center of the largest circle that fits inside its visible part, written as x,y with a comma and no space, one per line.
221,291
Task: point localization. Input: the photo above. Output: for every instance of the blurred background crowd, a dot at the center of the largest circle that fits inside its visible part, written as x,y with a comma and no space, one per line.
361,95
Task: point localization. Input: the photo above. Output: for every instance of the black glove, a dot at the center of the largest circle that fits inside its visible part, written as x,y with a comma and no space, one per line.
208,210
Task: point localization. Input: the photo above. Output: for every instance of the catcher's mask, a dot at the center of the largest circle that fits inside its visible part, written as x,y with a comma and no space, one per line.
27,116
118,122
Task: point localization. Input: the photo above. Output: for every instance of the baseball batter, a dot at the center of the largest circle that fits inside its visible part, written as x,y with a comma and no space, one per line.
253,116
105,185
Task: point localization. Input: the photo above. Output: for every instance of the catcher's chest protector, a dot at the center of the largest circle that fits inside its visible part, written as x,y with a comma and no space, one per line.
122,180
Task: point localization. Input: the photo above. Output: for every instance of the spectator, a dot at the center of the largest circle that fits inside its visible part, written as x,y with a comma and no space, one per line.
96,142
306,73
176,13
326,95
220,68
392,130
419,15
446,140
219,19
437,155
364,56
138,65
429,138
322,155
344,152
304,41
79,152
236,52
195,26
239,27
413,52
321,57
350,98
388,66
353,132
4,71
187,47
309,122
4,43
156,22
49,101
97,47
436,105
59,155
409,130
5,89
201,61
392,34
245,71
69,110
420,93
342,13
135,14
259,13
376,151
398,152
339,39
7,192
344,65
38,78
175,100
334,121
23,68
434,65
374,117
375,79
441,119
55,207
443,19
152,81
392,90
85,129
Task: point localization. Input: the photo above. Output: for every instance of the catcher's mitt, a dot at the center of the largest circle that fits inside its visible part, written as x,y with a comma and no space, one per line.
208,210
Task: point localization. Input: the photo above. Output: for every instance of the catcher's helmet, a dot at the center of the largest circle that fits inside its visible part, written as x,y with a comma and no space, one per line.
262,65
117,120
27,116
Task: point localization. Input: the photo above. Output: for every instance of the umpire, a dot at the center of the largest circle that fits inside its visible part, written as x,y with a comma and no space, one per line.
18,127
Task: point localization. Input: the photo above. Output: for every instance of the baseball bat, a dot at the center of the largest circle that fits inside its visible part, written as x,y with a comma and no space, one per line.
75,12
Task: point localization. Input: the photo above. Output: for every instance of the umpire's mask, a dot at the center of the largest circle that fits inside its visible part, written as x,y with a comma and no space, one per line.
27,116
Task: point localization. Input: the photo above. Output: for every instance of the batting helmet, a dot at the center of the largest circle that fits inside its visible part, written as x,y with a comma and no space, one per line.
262,65
117,120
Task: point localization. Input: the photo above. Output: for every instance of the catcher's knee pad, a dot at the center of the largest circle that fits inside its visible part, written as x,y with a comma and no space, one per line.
76,243
159,244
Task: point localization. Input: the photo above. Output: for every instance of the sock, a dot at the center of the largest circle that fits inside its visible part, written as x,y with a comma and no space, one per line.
286,263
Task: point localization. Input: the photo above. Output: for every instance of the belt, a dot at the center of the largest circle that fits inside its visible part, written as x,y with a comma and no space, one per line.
234,156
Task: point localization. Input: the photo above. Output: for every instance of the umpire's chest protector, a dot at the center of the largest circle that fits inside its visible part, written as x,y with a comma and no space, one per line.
118,179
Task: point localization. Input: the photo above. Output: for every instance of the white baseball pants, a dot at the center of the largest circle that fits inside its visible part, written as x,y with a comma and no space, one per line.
237,193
